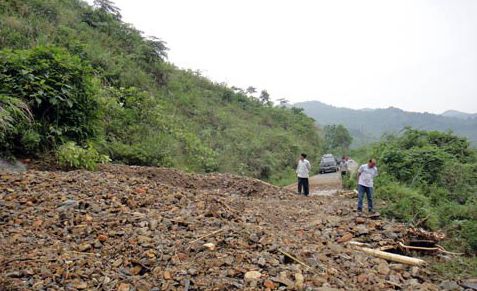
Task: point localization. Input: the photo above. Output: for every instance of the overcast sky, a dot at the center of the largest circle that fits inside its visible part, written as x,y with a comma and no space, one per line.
413,54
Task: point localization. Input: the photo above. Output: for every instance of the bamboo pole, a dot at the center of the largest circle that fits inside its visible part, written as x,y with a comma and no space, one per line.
392,257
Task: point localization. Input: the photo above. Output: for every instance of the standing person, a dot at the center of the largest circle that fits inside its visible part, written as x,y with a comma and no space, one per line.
303,173
366,174
343,169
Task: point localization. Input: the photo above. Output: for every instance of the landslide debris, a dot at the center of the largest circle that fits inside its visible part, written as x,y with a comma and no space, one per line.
141,228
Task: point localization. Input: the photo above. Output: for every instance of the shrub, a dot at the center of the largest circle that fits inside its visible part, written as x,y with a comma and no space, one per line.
14,117
72,156
430,177
58,89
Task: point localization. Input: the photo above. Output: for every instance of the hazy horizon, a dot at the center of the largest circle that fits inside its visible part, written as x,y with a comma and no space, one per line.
385,107
419,56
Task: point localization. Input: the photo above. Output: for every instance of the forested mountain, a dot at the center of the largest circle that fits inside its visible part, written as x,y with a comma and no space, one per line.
459,114
77,82
368,125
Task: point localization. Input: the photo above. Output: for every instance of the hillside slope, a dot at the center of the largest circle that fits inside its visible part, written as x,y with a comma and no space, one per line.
141,109
370,124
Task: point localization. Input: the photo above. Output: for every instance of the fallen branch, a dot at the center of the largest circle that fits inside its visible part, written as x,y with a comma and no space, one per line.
207,235
437,248
392,257
443,250
433,249
394,284
293,258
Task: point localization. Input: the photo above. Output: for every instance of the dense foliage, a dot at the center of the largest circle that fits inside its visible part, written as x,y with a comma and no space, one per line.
337,139
72,72
58,90
429,179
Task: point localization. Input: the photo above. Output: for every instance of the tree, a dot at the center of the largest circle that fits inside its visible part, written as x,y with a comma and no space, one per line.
251,90
337,137
283,102
264,97
108,7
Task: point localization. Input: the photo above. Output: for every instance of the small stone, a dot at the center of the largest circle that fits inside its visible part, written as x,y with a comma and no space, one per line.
37,223
102,237
269,284
135,270
80,285
106,280
362,278
414,271
153,224
261,262
209,246
88,218
346,237
192,271
252,275
117,263
449,285
383,269
142,239
123,287
167,275
360,220
68,204
397,267
84,247
362,229
299,281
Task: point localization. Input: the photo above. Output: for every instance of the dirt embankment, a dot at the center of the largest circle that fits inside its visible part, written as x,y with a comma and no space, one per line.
138,228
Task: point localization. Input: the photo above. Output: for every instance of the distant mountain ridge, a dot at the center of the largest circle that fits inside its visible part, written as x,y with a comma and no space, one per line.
459,114
367,125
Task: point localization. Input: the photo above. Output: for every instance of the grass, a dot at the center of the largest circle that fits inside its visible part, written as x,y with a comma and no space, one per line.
456,269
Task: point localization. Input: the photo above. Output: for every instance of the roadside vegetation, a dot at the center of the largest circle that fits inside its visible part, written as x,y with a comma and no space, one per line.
429,179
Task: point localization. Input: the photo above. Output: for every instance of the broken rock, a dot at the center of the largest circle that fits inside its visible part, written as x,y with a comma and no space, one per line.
252,275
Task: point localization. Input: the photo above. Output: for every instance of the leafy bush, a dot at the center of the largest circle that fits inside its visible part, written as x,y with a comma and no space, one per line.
74,157
15,115
58,89
430,178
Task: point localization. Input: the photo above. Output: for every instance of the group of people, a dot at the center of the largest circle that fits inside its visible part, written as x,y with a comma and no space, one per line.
365,176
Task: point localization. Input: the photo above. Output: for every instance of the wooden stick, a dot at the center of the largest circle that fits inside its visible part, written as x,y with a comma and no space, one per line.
418,248
394,284
447,252
293,258
207,235
392,257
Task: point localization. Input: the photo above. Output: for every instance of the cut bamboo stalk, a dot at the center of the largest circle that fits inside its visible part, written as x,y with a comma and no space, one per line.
392,257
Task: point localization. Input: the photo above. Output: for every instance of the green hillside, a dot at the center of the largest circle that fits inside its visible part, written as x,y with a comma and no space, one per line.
71,72
369,125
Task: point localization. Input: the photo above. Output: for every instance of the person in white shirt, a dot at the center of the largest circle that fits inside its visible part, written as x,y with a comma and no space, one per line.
366,174
344,169
303,173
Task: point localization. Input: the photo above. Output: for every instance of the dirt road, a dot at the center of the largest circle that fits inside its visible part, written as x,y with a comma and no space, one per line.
322,185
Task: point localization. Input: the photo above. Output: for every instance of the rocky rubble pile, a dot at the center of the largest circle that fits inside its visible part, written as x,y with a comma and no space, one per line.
137,228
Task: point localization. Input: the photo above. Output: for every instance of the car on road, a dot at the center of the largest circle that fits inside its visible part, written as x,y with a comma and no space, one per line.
328,164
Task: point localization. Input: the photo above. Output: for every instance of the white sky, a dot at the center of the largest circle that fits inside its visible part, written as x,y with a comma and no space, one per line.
417,55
